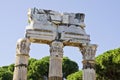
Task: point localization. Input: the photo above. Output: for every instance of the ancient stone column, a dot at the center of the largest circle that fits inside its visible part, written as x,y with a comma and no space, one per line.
88,52
56,55
22,55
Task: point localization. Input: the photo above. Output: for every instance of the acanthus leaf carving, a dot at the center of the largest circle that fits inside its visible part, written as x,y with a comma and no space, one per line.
88,51
23,46
56,49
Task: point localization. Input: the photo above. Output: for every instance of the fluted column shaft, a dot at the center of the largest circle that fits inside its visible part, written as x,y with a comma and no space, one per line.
88,52
22,55
56,55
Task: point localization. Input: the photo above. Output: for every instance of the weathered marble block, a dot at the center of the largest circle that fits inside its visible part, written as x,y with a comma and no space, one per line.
46,26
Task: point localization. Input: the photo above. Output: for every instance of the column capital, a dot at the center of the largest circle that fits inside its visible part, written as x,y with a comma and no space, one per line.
22,56
22,46
88,51
56,49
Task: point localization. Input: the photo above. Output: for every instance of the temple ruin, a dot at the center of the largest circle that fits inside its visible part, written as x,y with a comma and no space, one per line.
56,30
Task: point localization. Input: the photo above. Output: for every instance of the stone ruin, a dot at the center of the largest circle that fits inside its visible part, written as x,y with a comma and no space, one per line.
56,30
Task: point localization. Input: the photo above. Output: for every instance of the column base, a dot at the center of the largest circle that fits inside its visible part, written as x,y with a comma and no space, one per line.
55,78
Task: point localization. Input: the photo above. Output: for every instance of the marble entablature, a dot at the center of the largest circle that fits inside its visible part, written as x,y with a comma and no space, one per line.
46,26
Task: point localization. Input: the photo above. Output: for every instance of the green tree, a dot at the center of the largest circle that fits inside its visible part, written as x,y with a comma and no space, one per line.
69,67
75,76
5,74
30,63
11,68
39,69
31,75
5,68
108,65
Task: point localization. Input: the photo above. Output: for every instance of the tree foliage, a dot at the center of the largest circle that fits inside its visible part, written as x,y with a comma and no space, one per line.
108,65
75,76
5,73
107,68
11,68
69,67
39,69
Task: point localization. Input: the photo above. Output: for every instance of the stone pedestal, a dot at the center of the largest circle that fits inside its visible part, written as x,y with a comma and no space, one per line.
88,52
22,55
56,55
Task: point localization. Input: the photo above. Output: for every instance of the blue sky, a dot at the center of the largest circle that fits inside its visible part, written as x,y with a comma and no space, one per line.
102,23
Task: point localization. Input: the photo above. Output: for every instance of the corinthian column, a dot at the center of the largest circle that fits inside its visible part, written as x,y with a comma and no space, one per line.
56,55
88,52
22,55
